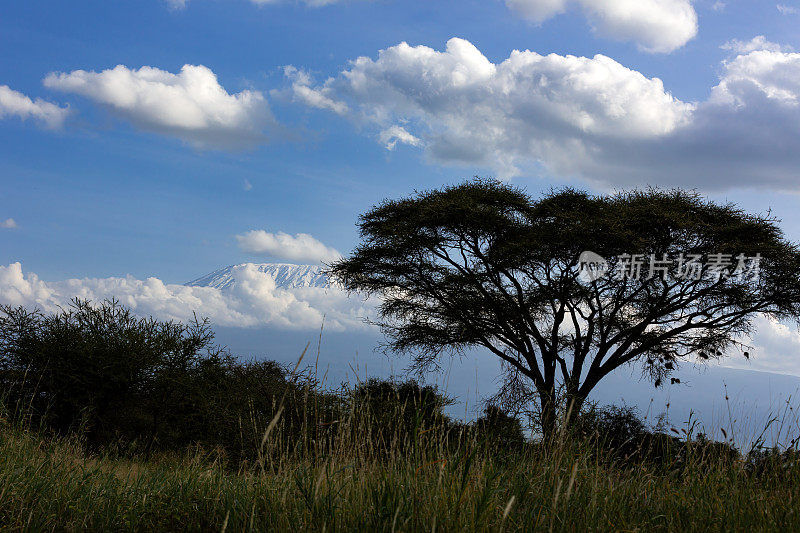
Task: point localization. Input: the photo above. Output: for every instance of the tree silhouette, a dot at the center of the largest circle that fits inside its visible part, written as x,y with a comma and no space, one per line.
483,264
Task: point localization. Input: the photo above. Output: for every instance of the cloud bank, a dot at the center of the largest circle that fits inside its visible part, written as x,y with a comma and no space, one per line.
300,248
590,118
659,26
190,105
16,104
252,300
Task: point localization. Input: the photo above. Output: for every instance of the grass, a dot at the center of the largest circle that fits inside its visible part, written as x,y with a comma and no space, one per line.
272,450
53,484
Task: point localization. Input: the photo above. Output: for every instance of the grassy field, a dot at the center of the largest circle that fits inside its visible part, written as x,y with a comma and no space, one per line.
111,422
51,484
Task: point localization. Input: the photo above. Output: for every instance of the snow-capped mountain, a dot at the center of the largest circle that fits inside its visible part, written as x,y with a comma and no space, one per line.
286,276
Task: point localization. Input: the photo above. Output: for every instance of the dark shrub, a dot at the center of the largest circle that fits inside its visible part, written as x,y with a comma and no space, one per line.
142,384
773,463
101,369
499,429
616,429
395,414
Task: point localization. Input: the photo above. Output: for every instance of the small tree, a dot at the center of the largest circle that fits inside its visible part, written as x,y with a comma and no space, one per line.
395,413
482,264
102,367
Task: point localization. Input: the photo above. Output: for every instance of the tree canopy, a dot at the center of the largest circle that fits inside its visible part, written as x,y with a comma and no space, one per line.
483,264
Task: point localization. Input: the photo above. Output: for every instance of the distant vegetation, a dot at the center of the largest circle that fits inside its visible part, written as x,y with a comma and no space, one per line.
110,421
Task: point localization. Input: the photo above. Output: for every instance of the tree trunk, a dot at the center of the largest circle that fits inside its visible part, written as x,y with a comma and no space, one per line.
549,412
575,402
549,415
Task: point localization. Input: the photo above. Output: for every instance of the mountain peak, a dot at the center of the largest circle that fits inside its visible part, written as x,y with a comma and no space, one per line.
286,276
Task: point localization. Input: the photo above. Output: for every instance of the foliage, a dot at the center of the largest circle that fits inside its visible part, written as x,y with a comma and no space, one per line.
140,386
395,414
135,383
618,429
380,457
499,429
482,264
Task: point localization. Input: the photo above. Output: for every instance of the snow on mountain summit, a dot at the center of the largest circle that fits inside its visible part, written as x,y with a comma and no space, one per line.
286,276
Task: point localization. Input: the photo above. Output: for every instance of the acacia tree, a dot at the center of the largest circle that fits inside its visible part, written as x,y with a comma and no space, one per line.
482,264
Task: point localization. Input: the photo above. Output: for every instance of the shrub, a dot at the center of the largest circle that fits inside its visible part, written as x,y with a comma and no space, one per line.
140,384
617,429
499,429
395,414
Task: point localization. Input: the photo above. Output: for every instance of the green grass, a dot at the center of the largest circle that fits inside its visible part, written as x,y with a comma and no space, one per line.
52,484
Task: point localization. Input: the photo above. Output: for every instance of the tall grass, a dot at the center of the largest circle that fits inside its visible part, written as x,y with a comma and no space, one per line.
430,479
201,442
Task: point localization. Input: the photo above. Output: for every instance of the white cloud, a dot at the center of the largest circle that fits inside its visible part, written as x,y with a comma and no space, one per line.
788,10
589,118
17,289
190,105
177,4
397,134
775,348
14,103
756,43
252,300
655,25
319,98
766,76
719,6
301,247
8,223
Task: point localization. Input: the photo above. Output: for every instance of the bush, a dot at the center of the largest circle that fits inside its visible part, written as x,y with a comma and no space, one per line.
395,414
617,429
136,385
499,429
139,384
101,370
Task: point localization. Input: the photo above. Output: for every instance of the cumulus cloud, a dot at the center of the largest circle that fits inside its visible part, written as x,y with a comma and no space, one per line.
301,247
253,299
655,25
589,118
319,98
397,134
756,43
190,105
775,346
8,223
14,103
788,10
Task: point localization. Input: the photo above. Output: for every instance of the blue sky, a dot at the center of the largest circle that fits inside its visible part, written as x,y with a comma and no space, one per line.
101,197
144,143
162,139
